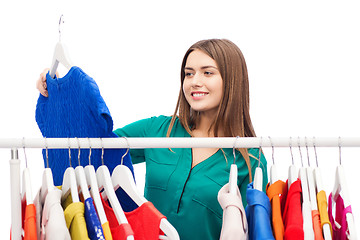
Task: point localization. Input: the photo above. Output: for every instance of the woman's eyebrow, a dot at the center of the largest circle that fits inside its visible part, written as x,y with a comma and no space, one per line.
203,67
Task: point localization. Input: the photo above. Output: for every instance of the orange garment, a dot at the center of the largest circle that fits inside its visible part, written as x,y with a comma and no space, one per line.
29,221
316,225
274,192
323,209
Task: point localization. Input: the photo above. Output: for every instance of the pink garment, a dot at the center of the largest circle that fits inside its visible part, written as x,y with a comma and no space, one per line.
339,230
234,225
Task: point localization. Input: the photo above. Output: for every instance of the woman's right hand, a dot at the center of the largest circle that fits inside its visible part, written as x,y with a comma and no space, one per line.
41,83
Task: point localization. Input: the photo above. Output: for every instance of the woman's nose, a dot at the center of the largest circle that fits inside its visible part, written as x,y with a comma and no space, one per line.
197,80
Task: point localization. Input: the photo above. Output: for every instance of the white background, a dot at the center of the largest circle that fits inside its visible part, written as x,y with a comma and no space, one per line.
302,57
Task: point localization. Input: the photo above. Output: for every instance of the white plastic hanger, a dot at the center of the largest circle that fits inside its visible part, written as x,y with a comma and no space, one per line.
122,177
273,172
306,205
94,189
105,183
69,183
60,54
26,182
233,178
341,186
47,184
258,178
319,187
311,181
82,185
292,173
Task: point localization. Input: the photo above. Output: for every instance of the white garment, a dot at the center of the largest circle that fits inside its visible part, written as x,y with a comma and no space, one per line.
50,220
234,225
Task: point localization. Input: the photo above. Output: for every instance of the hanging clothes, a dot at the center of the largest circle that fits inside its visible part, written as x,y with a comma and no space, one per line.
234,224
292,215
187,195
75,219
75,108
29,221
258,213
339,224
50,220
93,224
323,208
316,225
275,192
118,231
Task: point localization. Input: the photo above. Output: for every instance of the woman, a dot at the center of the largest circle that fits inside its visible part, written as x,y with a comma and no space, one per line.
213,102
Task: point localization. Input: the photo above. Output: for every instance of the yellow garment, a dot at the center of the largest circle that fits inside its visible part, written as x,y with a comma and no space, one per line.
323,206
75,220
106,230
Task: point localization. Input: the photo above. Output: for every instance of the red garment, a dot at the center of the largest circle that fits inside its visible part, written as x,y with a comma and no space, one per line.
118,232
29,221
275,192
144,221
292,215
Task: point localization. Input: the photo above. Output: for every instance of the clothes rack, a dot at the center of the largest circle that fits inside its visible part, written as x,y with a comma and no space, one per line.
218,142
121,142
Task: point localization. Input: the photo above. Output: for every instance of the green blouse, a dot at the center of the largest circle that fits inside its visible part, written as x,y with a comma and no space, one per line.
187,196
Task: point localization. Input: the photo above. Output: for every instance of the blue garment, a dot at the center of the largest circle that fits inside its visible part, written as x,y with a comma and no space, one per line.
75,108
93,225
258,214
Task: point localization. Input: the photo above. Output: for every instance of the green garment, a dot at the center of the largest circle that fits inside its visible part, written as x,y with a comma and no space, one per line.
187,196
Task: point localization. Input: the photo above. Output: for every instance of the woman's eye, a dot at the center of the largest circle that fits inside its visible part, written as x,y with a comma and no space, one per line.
208,73
188,74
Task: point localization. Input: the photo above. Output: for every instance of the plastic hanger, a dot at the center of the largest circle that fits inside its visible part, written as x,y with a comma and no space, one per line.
94,188
292,173
105,183
319,187
69,183
60,54
341,186
26,182
233,178
306,205
273,171
47,184
82,185
258,178
122,177
311,181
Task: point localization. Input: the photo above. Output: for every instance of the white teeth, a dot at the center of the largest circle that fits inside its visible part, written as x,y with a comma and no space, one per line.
199,94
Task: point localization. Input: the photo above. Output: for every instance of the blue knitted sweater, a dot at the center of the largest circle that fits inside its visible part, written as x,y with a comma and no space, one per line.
75,108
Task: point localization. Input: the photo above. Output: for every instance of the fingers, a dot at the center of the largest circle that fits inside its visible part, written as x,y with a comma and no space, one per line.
41,83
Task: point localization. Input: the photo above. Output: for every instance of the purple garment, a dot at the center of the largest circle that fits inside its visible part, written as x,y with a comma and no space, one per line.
340,217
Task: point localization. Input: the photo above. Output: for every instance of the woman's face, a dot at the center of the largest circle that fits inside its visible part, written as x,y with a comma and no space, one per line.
203,85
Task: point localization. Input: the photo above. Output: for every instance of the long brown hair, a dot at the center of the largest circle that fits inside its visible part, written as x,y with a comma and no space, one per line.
233,115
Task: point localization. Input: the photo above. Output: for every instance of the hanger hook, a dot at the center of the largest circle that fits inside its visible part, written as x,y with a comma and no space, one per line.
292,156
340,150
23,143
307,150
46,153
234,148
102,151
317,163
127,150
260,146
69,152
302,163
61,20
89,151
78,142
272,148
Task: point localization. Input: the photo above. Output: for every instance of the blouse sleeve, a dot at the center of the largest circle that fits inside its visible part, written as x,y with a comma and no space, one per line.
135,129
